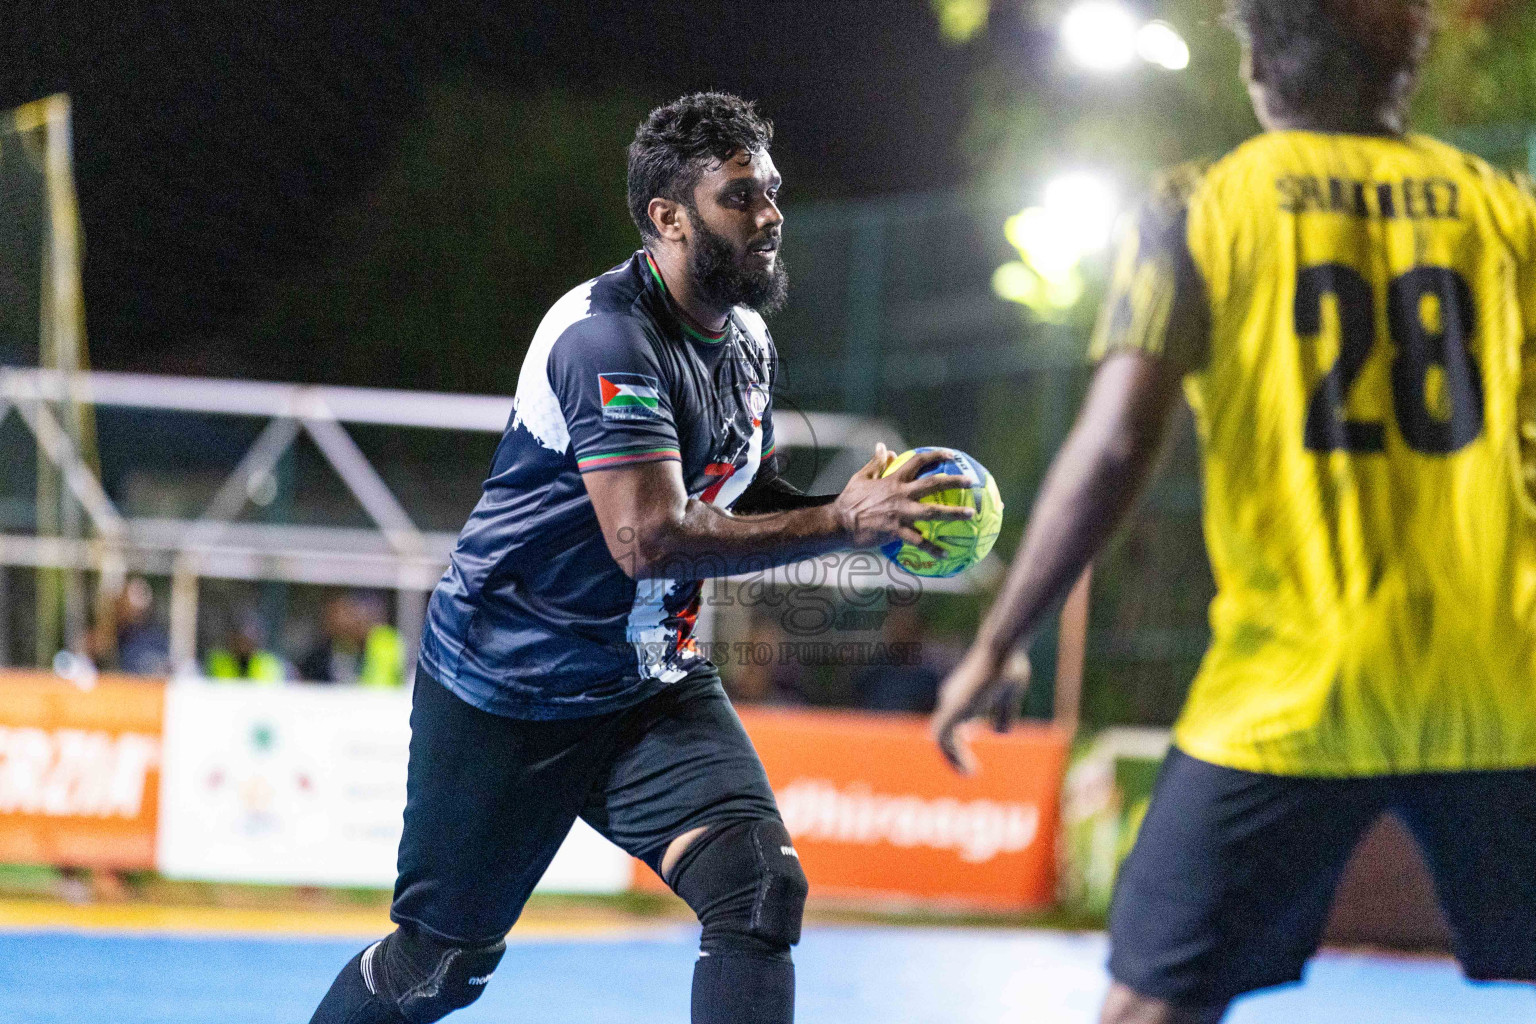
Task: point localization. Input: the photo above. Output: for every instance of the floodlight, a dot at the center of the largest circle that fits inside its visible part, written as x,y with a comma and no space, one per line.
1073,221
1100,35
1089,202
1047,240
1160,43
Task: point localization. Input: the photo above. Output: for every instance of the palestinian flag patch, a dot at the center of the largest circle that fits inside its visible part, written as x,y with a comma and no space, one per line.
629,396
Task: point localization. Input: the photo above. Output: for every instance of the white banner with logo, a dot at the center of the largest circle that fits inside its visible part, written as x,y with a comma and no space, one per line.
306,785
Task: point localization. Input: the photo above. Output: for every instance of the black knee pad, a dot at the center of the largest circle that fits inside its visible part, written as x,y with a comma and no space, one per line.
427,979
744,881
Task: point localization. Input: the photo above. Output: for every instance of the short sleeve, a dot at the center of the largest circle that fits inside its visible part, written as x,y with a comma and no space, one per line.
613,394
1157,300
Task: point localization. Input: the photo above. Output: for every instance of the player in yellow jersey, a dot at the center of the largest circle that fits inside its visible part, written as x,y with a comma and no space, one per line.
1351,312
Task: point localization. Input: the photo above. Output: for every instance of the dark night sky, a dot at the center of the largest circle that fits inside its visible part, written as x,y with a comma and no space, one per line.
213,140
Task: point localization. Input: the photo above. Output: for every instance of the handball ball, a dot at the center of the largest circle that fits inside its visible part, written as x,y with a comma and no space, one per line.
964,541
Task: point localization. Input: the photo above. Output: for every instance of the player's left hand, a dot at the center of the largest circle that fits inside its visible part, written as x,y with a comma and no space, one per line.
981,685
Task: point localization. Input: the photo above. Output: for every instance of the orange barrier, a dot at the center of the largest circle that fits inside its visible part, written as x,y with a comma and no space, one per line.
79,770
876,812
873,808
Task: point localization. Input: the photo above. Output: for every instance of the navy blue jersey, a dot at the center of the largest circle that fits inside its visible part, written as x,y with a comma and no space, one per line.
534,618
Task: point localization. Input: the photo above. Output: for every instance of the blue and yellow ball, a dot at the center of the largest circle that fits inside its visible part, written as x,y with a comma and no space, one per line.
964,541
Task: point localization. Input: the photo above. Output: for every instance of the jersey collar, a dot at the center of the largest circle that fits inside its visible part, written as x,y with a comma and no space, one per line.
693,332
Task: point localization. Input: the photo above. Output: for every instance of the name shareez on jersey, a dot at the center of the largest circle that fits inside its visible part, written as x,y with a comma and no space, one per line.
1406,199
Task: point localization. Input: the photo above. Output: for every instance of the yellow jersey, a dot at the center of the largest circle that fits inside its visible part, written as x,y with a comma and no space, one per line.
1355,316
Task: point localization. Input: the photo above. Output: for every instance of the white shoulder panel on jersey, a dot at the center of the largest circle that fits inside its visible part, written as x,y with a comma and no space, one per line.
537,407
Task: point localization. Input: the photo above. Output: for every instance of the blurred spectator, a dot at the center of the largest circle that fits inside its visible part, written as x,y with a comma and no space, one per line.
126,638
83,885
908,682
242,655
359,646
763,675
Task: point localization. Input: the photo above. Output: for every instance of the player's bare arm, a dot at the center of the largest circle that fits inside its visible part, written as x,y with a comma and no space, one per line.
1093,483
652,527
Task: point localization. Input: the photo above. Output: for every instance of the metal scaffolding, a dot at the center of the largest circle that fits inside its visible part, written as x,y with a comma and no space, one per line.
394,555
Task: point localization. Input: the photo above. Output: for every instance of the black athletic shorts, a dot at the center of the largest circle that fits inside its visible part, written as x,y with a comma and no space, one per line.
489,799
1233,874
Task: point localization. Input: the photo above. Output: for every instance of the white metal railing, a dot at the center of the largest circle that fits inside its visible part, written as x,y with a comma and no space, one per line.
396,555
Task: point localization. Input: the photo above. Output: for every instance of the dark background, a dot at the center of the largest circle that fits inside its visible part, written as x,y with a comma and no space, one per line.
276,189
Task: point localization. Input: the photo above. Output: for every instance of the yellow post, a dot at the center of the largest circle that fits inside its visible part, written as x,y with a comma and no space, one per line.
43,127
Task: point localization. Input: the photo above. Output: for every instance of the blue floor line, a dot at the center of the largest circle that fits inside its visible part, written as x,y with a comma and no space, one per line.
846,976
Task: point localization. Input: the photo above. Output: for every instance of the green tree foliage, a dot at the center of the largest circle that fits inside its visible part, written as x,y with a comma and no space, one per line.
1031,118
1483,68
494,205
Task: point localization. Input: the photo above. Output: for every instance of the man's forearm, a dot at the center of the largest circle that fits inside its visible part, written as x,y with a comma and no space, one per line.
654,530
706,542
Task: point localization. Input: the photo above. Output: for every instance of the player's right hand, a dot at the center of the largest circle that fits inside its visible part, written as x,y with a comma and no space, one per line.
875,509
982,685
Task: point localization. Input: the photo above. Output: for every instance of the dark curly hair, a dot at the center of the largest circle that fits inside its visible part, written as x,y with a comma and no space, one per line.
674,144
1333,55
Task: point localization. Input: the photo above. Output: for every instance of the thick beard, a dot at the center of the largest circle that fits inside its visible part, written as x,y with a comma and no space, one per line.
723,278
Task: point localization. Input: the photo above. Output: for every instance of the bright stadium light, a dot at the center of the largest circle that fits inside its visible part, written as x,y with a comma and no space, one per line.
1073,222
1047,240
1100,35
1089,201
1107,36
1160,43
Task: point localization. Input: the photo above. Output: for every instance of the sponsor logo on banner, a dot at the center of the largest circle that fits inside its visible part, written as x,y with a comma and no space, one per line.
257,787
79,770
64,773
306,785
283,784
875,811
978,830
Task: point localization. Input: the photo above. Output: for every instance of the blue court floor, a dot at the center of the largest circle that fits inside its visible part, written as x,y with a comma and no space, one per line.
847,976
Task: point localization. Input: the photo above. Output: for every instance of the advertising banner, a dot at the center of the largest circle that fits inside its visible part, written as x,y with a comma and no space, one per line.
306,785
1106,794
875,811
79,770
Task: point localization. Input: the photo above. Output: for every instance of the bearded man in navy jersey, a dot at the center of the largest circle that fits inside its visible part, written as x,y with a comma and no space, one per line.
558,676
